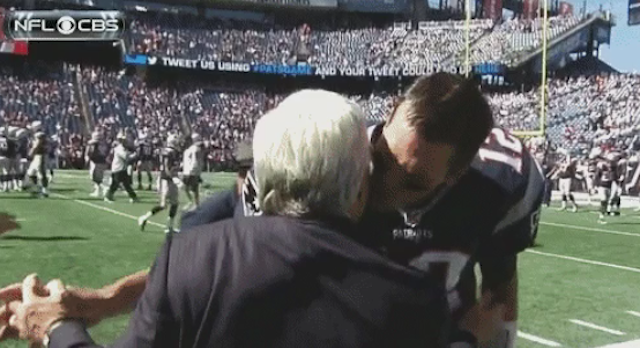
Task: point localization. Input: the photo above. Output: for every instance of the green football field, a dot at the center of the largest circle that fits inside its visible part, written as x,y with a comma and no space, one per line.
580,287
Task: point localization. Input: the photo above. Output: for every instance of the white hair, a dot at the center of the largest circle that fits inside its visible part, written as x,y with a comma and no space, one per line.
310,155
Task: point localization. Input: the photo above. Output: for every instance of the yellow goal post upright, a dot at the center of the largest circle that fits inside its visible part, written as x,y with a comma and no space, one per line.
541,131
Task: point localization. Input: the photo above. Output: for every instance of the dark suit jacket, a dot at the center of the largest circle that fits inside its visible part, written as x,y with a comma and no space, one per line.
278,282
219,206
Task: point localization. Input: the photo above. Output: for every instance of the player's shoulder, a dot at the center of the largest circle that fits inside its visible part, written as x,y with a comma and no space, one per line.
504,161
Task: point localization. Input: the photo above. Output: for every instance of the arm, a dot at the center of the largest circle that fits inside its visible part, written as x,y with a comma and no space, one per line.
151,325
33,148
111,300
498,258
500,280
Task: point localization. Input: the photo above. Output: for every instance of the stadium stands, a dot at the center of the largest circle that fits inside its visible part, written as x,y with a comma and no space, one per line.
432,44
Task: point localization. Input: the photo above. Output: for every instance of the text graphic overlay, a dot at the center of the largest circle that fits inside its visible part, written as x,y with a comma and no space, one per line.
64,25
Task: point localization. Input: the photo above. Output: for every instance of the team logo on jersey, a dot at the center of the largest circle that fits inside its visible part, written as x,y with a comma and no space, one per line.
413,234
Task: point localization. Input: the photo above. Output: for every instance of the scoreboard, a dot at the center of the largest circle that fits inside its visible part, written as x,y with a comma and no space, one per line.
634,12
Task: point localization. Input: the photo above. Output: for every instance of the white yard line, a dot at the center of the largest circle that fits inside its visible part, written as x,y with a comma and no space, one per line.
628,344
591,229
596,327
108,210
590,262
570,258
635,314
539,340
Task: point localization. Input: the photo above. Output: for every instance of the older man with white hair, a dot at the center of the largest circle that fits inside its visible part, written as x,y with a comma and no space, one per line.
292,277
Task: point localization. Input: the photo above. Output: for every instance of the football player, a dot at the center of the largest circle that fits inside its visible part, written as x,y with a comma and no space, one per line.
52,153
122,158
590,174
170,165
96,155
22,159
192,163
13,164
145,161
565,175
605,173
4,159
38,167
620,176
450,191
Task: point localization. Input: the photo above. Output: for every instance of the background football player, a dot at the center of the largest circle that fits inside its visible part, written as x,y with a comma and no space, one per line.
37,171
13,164
122,158
590,175
192,168
145,161
605,173
169,168
618,184
22,159
52,155
4,159
96,154
565,174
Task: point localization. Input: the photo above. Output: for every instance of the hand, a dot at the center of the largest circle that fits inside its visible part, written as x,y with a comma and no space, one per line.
89,305
34,316
8,223
484,319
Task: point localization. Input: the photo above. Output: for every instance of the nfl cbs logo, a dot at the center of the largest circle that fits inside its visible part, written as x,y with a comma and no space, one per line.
64,25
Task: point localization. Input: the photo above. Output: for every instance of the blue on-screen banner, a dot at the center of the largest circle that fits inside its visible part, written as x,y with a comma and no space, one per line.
135,59
308,70
283,69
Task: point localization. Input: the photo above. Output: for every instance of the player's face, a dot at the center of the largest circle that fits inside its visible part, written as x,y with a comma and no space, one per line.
408,170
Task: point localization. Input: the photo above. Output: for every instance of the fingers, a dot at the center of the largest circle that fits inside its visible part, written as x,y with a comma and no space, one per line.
56,288
29,288
8,333
10,293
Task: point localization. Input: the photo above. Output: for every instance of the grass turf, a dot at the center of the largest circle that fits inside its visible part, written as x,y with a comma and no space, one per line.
72,237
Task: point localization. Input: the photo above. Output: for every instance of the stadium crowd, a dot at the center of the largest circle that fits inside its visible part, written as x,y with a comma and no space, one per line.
367,46
582,111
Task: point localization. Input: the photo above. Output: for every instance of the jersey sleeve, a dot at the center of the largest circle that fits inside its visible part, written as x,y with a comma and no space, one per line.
518,228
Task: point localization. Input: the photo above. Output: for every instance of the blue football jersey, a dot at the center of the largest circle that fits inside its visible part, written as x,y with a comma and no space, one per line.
491,212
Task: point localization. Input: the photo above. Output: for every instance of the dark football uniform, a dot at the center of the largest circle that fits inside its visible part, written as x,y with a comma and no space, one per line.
567,170
4,147
5,162
145,152
489,215
98,152
168,171
170,163
605,174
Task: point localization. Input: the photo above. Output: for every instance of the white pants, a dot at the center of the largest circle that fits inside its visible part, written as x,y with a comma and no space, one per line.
5,164
604,193
168,193
616,190
565,186
96,171
145,166
37,166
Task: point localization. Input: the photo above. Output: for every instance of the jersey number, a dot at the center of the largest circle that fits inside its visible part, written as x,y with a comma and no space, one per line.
512,154
446,266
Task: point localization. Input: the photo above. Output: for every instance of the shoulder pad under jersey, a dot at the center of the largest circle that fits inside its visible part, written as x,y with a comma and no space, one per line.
504,160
